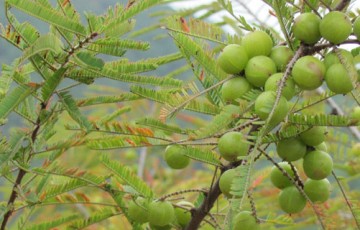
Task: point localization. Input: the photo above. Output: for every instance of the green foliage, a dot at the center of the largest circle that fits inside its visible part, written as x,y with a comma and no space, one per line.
87,116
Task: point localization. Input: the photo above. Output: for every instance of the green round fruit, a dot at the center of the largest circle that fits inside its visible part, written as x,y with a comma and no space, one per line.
183,216
175,157
264,104
357,65
355,150
234,89
338,20
308,72
232,145
245,221
355,115
257,43
313,136
356,27
259,69
233,59
291,200
291,149
322,147
278,179
281,55
317,190
333,58
138,210
161,213
338,79
225,182
272,85
166,227
306,28
317,165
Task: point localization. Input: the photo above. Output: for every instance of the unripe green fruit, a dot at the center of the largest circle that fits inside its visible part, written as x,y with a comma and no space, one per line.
257,43
317,165
291,200
234,89
355,115
313,136
259,69
161,213
338,20
333,58
231,145
225,182
356,27
321,147
338,79
306,28
272,85
278,179
317,190
183,216
138,210
291,149
281,55
357,65
166,227
233,59
264,104
308,72
245,221
175,157
355,150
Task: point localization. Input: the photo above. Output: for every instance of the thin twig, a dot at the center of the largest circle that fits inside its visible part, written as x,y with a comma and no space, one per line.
346,199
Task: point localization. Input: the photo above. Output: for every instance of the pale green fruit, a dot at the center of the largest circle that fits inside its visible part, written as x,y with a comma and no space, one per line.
245,221
225,182
259,69
183,216
355,150
175,157
257,43
338,79
357,65
338,20
234,89
306,28
317,165
233,144
317,190
291,200
264,104
281,55
291,149
313,136
161,213
278,179
138,210
355,115
308,72
233,59
333,58
356,27
272,85
321,147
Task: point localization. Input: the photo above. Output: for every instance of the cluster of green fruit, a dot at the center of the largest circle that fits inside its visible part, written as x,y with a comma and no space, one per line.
317,165
258,65
160,215
309,72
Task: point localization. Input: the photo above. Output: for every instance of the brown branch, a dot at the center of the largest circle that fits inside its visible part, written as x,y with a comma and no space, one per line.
20,175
